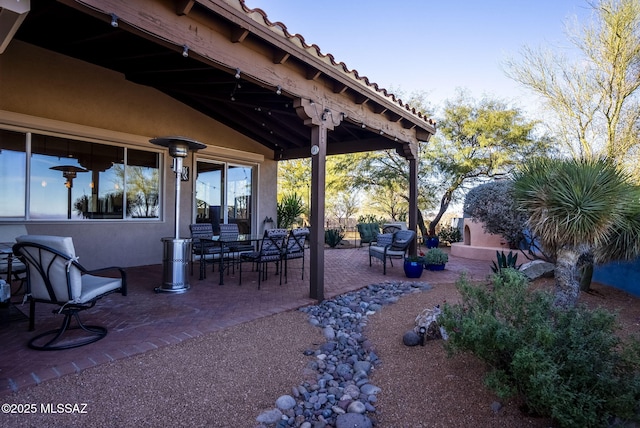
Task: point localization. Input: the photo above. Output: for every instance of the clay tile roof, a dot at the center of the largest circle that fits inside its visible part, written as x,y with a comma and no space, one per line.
260,16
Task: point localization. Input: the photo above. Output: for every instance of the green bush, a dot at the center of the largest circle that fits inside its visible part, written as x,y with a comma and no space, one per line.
565,364
370,218
450,234
332,237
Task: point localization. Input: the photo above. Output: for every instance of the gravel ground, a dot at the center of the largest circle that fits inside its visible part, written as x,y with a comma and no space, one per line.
226,379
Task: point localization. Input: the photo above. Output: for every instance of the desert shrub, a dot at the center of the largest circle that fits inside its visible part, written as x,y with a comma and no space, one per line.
450,234
564,364
494,205
505,261
370,218
289,209
332,237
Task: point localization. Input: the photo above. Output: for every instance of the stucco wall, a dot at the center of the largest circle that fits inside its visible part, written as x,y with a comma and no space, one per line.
44,85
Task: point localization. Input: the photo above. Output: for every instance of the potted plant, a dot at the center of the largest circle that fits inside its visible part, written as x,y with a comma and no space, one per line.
432,241
414,265
435,259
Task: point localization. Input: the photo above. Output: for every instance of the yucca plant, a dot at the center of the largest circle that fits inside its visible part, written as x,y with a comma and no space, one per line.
581,211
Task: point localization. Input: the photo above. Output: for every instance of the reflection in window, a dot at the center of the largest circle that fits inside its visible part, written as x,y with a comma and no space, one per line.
209,191
12,174
143,178
75,179
239,197
71,179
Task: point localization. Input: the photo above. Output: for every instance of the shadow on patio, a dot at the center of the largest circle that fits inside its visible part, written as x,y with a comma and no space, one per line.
144,321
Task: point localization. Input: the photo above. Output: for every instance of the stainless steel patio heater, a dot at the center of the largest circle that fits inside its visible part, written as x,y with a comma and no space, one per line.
177,251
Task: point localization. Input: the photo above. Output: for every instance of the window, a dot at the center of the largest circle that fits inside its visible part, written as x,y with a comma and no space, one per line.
77,180
12,174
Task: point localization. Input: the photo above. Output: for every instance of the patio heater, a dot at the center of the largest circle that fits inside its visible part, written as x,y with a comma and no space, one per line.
177,251
69,172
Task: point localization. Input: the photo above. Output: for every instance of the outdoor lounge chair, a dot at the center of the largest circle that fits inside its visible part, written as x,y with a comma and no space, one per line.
368,232
272,248
55,276
295,248
391,246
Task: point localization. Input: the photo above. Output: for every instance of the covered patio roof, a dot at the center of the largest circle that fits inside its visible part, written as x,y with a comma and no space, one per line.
234,65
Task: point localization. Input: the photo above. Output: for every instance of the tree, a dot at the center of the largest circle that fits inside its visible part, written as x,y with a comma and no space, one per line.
493,204
582,211
593,101
478,141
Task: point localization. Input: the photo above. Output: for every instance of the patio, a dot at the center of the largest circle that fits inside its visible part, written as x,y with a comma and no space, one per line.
144,321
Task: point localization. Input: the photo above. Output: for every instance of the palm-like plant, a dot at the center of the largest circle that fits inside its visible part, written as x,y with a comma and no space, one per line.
582,211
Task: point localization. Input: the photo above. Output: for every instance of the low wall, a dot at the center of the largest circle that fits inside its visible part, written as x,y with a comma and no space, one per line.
459,249
622,275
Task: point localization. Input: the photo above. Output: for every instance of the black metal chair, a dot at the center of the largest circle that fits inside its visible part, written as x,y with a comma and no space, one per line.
201,250
272,249
54,276
295,248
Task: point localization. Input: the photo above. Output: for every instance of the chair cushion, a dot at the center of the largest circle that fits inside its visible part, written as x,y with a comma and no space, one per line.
384,239
94,286
57,272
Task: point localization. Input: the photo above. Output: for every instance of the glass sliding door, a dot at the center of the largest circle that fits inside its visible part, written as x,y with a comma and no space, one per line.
239,193
209,193
224,194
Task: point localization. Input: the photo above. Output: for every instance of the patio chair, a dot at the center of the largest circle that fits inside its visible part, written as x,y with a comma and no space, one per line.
8,234
231,232
203,251
295,248
272,248
54,276
368,232
391,246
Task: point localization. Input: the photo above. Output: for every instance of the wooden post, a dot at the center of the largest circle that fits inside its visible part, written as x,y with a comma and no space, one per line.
318,179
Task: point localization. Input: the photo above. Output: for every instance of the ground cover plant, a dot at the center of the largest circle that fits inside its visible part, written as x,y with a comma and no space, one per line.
567,364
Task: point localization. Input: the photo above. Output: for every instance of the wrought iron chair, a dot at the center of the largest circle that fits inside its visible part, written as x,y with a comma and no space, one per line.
230,232
55,276
8,234
203,251
272,249
391,246
295,248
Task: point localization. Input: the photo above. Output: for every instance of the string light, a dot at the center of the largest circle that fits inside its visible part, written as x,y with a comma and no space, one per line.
278,90
237,76
114,20
185,51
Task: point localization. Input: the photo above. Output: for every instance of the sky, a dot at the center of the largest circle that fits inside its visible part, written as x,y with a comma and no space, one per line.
436,47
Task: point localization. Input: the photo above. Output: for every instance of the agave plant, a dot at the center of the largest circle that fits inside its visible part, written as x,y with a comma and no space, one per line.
581,211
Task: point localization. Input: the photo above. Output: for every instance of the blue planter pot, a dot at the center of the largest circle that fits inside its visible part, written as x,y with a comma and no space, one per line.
432,242
435,267
413,269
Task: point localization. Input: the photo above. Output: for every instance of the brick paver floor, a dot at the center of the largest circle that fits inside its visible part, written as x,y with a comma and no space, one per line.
145,320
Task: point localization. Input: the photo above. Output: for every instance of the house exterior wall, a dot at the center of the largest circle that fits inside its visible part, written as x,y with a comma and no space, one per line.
43,90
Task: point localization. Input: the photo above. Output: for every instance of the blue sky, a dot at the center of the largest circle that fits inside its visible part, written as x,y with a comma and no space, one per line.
424,45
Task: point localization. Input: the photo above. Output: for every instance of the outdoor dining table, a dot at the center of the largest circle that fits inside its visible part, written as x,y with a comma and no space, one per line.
226,247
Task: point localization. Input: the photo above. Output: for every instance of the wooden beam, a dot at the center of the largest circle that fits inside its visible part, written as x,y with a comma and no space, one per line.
313,73
238,34
183,7
280,56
